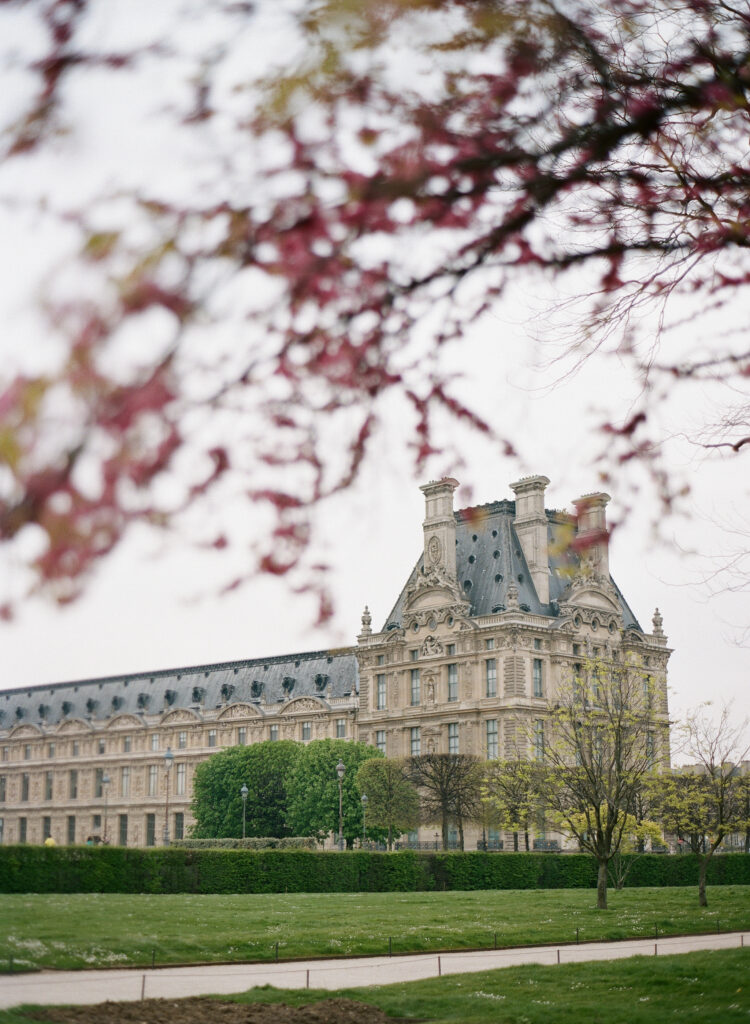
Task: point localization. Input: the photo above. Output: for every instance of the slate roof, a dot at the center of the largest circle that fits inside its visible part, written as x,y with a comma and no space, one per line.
260,681
489,556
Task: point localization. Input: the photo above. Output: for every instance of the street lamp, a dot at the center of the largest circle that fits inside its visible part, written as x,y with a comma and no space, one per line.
105,787
364,818
340,769
168,761
244,792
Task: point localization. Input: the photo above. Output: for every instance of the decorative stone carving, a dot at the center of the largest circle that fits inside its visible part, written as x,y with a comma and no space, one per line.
239,711
366,622
512,598
429,686
658,622
431,648
434,550
303,704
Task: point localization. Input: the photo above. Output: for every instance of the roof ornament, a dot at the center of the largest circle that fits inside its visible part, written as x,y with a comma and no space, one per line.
366,622
658,622
512,599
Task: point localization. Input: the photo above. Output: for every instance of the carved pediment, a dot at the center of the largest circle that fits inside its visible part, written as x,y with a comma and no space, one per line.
304,704
123,721
590,590
434,588
70,725
180,715
239,710
26,731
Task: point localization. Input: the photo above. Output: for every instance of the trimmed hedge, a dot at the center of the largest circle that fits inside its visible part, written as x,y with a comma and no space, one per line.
174,870
252,843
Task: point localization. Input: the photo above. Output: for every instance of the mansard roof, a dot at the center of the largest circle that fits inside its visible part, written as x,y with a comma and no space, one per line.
259,681
489,556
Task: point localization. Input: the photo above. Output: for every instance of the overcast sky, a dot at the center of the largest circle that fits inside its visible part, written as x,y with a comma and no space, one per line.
155,604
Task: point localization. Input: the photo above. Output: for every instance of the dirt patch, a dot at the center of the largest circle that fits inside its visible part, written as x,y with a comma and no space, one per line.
209,1011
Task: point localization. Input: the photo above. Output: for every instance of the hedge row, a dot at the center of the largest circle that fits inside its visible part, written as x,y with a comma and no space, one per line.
172,870
252,843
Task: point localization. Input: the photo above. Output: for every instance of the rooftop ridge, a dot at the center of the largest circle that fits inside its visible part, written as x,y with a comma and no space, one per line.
277,659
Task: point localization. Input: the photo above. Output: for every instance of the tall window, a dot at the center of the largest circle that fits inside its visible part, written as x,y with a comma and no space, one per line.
27,751
155,741
414,655
415,686
71,829
274,733
50,750
452,682
73,784
179,825
125,781
380,691
152,779
102,746
380,740
453,737
3,789
242,736
450,650
150,830
491,739
489,644
537,644
650,746
340,728
47,786
181,776
126,744
306,730
490,670
22,830
123,830
98,782
76,748
212,737
537,677
6,753
182,739
46,827
381,659
539,740
25,786
416,743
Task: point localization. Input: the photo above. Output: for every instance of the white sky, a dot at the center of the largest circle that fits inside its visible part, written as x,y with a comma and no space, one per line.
154,603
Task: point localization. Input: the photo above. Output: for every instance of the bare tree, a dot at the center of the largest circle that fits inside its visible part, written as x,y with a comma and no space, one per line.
450,790
708,799
604,736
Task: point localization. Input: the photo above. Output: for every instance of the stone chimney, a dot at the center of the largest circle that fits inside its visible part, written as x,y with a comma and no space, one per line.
531,528
592,535
440,526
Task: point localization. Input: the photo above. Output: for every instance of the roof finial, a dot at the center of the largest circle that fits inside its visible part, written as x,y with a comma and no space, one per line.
658,622
366,622
512,599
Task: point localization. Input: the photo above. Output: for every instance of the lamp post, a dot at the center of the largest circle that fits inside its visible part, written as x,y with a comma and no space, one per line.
168,761
340,769
364,818
244,792
105,787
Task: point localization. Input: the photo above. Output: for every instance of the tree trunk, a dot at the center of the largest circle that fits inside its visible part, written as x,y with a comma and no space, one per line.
390,838
445,832
702,901
526,837
515,842
461,835
601,886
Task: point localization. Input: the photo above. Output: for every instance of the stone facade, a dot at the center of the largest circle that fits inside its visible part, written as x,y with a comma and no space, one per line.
504,605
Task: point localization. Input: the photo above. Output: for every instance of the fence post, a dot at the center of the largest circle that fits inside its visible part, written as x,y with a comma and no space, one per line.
153,957
143,987
307,985
440,968
390,946
277,952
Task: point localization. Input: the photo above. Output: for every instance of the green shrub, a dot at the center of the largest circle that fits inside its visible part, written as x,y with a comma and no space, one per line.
186,869
251,843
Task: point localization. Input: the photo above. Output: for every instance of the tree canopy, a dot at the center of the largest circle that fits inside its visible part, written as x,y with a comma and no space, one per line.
393,802
347,222
265,769
314,789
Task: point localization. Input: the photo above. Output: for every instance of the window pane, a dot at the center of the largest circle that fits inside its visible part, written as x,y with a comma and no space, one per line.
416,745
415,686
490,666
452,682
492,739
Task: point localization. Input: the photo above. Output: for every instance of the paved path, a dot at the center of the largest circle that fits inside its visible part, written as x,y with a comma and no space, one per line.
79,987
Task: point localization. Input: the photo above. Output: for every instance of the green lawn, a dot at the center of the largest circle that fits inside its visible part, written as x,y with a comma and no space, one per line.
76,931
693,988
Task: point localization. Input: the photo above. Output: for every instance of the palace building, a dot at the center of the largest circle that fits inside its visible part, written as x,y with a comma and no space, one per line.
505,603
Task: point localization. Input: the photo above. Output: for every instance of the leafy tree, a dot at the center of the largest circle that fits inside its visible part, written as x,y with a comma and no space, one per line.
393,802
532,140
602,746
511,788
449,788
708,800
265,769
314,789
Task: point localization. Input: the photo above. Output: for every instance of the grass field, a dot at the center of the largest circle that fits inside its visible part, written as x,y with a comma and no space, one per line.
113,930
693,988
